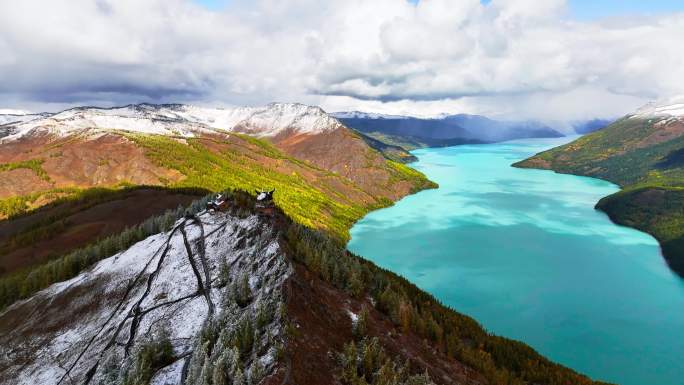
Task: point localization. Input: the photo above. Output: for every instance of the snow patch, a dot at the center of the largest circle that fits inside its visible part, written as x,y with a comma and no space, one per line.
354,317
672,107
125,299
170,375
176,120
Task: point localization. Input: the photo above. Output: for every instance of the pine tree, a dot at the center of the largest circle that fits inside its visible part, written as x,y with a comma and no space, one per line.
239,378
361,325
244,292
256,372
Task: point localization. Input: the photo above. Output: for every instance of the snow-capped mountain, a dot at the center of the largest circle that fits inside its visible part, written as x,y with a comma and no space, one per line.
15,116
180,120
89,146
671,107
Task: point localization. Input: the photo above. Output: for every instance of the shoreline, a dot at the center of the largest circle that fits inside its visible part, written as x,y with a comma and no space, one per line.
600,206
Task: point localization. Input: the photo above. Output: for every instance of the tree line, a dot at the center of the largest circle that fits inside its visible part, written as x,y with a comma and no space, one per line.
500,360
25,283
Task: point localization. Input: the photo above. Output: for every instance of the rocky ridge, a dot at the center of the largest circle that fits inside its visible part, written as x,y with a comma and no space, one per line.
211,273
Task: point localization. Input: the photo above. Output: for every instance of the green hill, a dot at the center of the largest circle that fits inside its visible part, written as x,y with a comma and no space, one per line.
644,156
45,226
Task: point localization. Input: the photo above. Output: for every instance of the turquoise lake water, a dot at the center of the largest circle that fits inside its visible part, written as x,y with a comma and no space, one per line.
525,253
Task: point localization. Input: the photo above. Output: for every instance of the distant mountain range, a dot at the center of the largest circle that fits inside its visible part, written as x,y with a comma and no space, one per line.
7,117
442,131
644,153
176,119
589,126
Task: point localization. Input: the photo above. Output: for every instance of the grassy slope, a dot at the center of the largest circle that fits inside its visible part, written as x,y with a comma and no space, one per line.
36,165
390,151
307,203
411,142
321,199
651,175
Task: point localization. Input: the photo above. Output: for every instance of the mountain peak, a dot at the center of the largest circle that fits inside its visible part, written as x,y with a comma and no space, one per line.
670,107
176,120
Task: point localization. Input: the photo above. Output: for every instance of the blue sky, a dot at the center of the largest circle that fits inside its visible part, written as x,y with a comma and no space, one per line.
579,9
593,9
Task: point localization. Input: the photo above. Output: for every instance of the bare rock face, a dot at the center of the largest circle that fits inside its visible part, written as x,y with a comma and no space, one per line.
202,300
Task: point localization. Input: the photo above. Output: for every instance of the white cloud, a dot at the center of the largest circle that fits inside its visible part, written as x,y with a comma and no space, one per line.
521,58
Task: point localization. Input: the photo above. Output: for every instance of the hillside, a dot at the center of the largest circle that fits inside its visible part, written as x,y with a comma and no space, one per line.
236,297
396,152
643,154
327,175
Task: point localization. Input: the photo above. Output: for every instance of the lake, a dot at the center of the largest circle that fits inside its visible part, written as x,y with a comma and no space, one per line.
525,253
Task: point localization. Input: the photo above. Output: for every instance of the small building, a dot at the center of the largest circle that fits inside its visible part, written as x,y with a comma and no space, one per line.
219,203
264,203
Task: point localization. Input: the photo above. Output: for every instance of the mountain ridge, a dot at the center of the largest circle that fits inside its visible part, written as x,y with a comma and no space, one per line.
179,119
237,296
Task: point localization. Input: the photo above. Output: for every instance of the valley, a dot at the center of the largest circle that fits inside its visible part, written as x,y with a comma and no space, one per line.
443,131
389,192
525,253
124,213
235,296
73,210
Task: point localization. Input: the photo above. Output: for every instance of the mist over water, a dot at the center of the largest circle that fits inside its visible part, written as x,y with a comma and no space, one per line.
525,253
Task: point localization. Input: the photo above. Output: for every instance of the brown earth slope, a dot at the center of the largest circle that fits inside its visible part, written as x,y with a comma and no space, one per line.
345,153
35,238
76,161
327,181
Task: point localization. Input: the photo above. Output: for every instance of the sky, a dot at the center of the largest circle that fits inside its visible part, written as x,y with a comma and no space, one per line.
551,60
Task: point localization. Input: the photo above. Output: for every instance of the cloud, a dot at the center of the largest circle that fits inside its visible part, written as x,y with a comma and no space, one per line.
522,58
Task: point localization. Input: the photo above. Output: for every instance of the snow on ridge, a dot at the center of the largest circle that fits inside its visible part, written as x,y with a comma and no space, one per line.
266,121
181,120
154,276
672,107
18,116
9,111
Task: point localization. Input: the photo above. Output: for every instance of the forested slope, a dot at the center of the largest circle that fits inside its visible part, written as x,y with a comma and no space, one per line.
644,154
238,297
